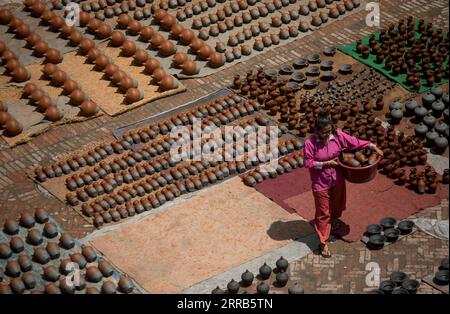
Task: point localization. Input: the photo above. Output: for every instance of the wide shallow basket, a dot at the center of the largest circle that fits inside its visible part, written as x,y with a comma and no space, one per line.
360,174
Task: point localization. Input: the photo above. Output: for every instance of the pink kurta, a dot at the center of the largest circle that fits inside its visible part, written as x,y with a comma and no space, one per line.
324,178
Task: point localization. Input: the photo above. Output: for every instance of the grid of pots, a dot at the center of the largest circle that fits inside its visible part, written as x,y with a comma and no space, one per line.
441,276
152,184
431,116
152,133
267,281
401,154
398,283
281,99
107,9
420,52
227,18
387,231
37,257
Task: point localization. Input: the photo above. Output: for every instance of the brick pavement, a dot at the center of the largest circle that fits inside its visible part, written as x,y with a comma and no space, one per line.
418,255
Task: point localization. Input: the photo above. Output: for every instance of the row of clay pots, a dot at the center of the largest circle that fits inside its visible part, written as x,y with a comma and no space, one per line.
187,37
117,147
12,64
164,187
34,41
263,287
79,161
10,126
43,102
285,165
130,167
202,6
187,118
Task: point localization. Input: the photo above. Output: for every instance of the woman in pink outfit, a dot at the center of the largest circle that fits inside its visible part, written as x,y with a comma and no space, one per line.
321,151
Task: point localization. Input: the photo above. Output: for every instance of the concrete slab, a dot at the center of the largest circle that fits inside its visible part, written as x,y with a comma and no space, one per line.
216,230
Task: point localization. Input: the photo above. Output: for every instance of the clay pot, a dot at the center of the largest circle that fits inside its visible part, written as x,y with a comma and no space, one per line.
168,82
86,45
20,74
216,60
117,38
104,31
167,48
147,33
58,78
12,128
190,67
134,27
77,97
75,38
151,65
133,95
88,108
5,16
179,58
69,86
187,36
128,48
157,40
53,114
141,56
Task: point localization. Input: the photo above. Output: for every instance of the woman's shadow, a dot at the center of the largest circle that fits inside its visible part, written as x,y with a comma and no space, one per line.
303,231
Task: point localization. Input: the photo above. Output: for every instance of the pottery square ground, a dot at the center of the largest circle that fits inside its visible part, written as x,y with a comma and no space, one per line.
217,229
209,237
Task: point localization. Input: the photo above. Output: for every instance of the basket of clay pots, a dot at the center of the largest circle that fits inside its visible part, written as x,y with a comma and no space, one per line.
360,166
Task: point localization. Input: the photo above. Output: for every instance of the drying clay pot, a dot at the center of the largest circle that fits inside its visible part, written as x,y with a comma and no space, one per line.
20,74
88,108
167,48
179,58
133,95
168,82
117,38
13,128
128,48
216,60
151,65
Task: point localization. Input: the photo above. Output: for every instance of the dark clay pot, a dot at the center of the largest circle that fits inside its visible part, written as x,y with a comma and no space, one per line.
420,112
265,271
282,279
428,99
398,277
387,286
410,106
421,130
233,287
262,288
391,234
411,285
247,278
405,226
388,222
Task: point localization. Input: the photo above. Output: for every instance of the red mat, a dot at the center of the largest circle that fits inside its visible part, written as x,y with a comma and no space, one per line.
366,203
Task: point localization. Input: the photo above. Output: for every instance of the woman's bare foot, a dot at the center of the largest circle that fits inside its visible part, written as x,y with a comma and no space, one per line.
325,250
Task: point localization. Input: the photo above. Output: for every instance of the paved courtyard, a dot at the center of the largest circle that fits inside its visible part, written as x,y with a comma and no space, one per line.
418,254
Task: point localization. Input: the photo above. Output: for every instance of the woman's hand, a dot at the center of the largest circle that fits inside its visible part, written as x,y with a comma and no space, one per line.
376,149
331,163
379,151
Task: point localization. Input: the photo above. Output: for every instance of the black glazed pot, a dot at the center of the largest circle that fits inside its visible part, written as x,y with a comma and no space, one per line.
300,63
387,286
346,69
298,77
327,65
373,229
405,226
398,277
376,241
400,290
441,277
391,234
411,285
388,222
444,263
314,58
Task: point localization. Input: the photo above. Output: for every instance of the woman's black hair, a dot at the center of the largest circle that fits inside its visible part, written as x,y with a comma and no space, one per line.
323,119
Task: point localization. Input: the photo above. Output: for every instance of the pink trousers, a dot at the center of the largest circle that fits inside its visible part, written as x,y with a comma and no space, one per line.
329,205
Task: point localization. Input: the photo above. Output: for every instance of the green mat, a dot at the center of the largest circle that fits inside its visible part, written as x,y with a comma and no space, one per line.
371,61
